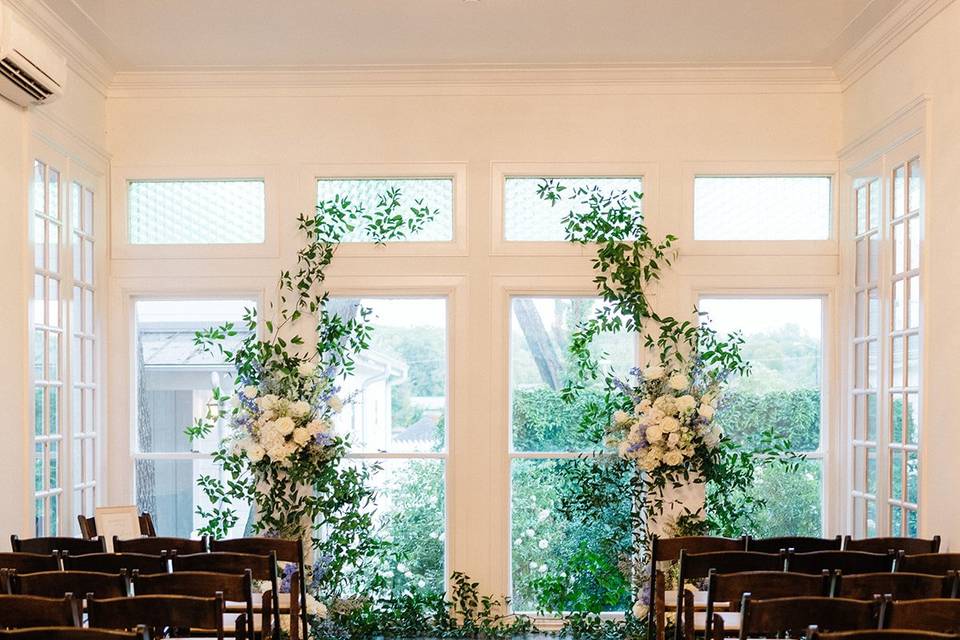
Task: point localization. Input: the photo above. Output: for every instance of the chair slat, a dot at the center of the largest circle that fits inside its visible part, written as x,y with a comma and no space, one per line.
19,611
800,544
54,584
158,612
48,545
846,561
912,546
764,618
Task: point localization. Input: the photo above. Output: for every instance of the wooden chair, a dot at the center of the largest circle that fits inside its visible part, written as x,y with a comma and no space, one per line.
33,611
730,587
234,587
664,550
695,566
29,562
846,561
934,614
154,545
793,615
46,546
901,586
799,544
117,562
879,634
73,633
53,584
912,546
262,567
936,564
159,612
88,526
287,550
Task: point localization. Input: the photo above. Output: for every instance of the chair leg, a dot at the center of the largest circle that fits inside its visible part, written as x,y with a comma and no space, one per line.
688,616
660,606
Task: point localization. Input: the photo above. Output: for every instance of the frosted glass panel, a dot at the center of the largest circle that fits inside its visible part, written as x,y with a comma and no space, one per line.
528,218
761,208
433,193
196,211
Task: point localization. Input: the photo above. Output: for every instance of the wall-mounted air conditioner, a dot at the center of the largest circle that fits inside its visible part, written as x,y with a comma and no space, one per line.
31,72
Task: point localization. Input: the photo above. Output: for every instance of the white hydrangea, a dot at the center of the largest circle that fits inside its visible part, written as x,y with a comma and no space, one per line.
653,373
678,382
335,404
251,391
621,417
706,411
686,403
300,409
284,425
306,369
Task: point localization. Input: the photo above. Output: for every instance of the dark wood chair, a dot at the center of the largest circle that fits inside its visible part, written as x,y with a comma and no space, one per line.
182,613
88,526
879,634
262,567
287,551
800,544
73,633
900,586
934,614
234,587
53,584
155,546
912,546
848,562
666,550
117,562
730,587
29,562
937,564
694,566
775,616
46,546
33,611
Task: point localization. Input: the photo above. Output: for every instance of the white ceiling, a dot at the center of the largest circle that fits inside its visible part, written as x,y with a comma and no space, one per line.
173,34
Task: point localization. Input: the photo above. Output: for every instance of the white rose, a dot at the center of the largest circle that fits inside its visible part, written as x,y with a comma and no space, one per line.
284,426
621,417
678,382
300,409
639,610
317,426
624,449
315,607
653,373
301,436
686,403
255,452
673,439
672,458
654,433
267,402
706,411
306,369
650,462
669,425
335,403
251,391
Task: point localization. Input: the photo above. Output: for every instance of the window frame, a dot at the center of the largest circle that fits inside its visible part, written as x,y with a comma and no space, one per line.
123,249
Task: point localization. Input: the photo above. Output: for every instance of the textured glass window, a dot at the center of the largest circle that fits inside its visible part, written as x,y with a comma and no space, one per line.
529,218
761,208
196,211
433,193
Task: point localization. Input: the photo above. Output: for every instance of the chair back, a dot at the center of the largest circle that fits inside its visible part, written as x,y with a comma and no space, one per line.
934,614
158,612
880,634
792,615
73,633
116,562
234,587
29,562
88,526
912,546
46,546
33,611
936,564
800,544
154,545
900,586
53,584
848,562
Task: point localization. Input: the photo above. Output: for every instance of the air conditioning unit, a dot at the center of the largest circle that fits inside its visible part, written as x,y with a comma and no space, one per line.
31,72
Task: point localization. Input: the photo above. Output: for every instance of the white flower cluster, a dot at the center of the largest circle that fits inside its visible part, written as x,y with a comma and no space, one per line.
671,421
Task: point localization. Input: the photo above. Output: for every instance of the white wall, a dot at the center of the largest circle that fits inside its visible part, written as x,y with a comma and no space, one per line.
929,64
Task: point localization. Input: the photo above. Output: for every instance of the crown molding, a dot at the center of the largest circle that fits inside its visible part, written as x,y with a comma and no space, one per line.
473,80
896,27
82,58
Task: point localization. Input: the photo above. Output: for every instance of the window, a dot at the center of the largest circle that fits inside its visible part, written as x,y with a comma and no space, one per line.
528,218
397,417
195,211
761,207
174,388
784,345
434,193
546,444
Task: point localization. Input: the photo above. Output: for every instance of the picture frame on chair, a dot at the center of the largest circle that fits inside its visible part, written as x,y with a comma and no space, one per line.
120,521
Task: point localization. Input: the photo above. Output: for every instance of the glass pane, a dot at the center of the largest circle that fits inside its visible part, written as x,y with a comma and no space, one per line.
913,307
873,268
913,361
88,270
914,243
916,185
53,302
898,195
913,418
860,365
88,311
896,475
861,266
761,208
872,472
794,500
540,365
548,549
53,189
896,417
528,218
88,211
88,361
873,328
433,193
860,306
896,521
875,203
53,411
399,387
871,518
38,424
37,192
196,211
39,242
53,466
897,364
859,514
872,364
861,197
174,378
898,305
53,250
76,213
899,248
40,519
872,419
39,350
39,481
859,417
859,468
54,522
912,476
912,529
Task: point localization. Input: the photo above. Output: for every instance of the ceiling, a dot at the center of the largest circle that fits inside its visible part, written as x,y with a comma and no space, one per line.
142,35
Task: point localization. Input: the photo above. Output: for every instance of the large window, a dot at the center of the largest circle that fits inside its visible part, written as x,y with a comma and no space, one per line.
174,388
784,345
546,443
397,415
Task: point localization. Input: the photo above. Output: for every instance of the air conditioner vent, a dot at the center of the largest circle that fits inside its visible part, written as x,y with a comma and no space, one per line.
12,72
